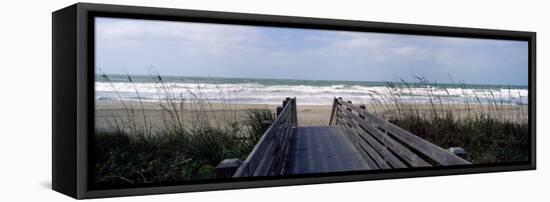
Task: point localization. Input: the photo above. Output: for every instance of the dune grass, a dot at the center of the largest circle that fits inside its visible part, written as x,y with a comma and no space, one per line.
134,152
491,130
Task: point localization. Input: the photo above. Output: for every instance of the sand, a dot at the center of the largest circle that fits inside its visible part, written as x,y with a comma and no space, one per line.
108,111
308,115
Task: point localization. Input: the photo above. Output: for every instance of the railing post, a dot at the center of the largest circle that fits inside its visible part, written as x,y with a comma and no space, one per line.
364,108
295,112
265,125
333,113
285,101
279,136
279,110
227,168
336,103
459,151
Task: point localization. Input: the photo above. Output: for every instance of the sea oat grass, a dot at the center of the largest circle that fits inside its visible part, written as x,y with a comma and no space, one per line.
133,152
490,131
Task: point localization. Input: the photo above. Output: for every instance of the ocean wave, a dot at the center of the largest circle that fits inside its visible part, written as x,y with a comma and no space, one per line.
256,93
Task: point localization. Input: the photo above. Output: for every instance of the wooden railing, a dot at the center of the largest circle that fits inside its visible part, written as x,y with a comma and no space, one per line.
269,155
385,145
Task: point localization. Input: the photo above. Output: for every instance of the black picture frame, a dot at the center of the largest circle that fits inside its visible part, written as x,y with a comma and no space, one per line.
73,96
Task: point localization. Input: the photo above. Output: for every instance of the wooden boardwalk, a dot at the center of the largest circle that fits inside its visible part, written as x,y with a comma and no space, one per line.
321,149
353,140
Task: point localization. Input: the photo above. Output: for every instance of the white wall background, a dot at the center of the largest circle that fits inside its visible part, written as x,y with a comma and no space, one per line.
25,102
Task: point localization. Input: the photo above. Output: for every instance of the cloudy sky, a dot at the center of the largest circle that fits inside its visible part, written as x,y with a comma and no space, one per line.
199,49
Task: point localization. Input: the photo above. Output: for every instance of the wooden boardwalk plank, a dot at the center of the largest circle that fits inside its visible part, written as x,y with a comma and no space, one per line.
322,149
436,153
356,141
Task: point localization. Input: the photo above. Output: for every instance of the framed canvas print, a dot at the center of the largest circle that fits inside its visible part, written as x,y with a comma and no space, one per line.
157,100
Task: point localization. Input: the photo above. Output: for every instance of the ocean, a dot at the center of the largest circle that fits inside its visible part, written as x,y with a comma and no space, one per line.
307,92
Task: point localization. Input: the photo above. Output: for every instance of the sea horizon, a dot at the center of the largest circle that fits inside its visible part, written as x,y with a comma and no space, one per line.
124,78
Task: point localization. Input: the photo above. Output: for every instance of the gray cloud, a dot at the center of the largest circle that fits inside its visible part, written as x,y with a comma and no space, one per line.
199,49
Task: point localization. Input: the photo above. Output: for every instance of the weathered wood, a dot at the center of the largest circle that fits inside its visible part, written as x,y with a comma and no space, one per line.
370,162
332,113
372,153
295,112
322,149
227,168
280,155
459,151
264,165
269,153
279,110
373,159
374,145
365,142
385,143
380,148
265,125
341,122
382,152
407,155
435,152
285,101
380,144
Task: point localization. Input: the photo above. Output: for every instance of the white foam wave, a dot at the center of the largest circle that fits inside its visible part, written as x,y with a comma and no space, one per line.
311,95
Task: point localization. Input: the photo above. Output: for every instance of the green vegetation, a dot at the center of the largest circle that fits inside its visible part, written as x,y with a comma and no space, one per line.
491,131
134,151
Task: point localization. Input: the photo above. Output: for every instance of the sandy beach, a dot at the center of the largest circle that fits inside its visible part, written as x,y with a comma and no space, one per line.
107,111
308,115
